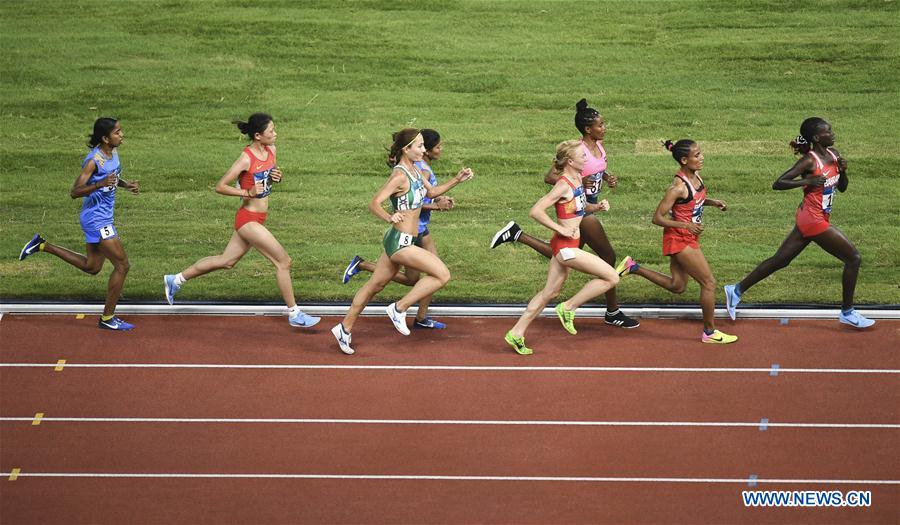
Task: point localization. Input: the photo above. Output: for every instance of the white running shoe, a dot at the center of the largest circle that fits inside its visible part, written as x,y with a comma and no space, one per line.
398,318
343,338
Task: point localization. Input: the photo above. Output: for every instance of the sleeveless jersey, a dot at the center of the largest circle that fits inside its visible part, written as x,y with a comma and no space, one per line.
573,207
817,200
691,208
97,207
425,215
593,172
414,196
259,170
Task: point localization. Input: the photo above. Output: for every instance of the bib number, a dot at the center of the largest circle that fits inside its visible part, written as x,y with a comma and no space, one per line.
827,199
405,240
107,232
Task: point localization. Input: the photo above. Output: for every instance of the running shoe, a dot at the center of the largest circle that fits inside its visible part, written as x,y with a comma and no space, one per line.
115,324
855,320
398,318
622,320
627,266
171,288
33,246
429,323
343,338
518,344
718,337
732,299
508,233
352,268
304,321
567,318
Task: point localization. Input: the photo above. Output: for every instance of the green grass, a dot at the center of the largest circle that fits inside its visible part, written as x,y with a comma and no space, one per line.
498,79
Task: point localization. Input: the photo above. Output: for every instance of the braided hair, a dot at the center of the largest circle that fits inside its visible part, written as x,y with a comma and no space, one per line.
679,149
584,115
803,143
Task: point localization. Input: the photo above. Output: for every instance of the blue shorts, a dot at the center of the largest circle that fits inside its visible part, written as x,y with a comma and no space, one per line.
93,233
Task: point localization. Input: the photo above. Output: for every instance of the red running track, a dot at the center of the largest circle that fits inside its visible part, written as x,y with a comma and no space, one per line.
387,448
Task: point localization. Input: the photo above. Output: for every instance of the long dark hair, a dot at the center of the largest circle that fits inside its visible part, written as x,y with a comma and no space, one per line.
257,123
103,126
402,138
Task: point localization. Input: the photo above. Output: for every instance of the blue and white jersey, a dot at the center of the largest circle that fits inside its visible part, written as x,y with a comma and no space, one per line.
425,215
97,207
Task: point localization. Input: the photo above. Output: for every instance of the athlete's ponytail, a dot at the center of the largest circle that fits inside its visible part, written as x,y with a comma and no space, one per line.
257,123
680,149
103,126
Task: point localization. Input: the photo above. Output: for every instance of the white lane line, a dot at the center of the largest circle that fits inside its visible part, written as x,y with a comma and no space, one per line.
767,370
473,422
743,481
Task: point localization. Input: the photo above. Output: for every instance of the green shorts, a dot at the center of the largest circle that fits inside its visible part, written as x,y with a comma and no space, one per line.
395,240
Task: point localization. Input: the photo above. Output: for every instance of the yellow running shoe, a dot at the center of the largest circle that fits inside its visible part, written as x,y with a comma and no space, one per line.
627,266
518,344
567,318
719,338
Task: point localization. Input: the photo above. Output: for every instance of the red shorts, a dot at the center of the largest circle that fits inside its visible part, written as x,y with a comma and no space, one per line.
810,225
676,240
558,242
244,216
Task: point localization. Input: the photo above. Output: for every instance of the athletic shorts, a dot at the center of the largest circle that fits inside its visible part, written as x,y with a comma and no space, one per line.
674,241
94,233
810,225
558,242
395,240
244,216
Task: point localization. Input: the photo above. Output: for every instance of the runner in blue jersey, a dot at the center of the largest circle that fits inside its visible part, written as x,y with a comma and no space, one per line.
409,276
100,176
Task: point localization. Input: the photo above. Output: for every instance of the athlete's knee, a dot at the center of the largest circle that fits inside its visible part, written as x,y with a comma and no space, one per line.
707,283
613,280
677,288
284,263
122,266
93,270
443,276
227,264
855,259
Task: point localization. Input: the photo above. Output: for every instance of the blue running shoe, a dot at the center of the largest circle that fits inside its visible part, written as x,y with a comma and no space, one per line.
352,268
33,246
115,324
304,321
429,323
855,320
732,299
171,288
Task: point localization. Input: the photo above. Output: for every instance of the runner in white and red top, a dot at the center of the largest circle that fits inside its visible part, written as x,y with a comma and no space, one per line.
819,171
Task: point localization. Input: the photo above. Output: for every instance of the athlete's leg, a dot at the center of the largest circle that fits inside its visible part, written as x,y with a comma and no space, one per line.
113,250
836,243
261,238
675,284
536,244
236,248
694,263
593,235
384,270
556,277
428,244
424,261
405,276
92,263
590,264
792,245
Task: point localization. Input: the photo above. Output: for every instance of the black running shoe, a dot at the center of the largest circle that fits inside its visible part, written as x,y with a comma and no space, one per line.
622,320
508,233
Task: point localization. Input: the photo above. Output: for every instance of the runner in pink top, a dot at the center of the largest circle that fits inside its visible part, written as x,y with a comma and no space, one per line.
593,129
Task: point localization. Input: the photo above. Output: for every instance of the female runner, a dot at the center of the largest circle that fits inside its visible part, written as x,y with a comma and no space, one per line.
819,171
407,189
255,170
680,213
100,176
568,195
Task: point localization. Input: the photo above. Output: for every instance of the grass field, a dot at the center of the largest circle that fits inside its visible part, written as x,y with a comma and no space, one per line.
498,79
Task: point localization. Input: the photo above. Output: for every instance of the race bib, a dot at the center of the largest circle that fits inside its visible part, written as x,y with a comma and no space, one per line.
827,199
405,240
107,232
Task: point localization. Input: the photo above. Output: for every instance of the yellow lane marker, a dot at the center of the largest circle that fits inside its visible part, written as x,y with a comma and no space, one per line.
14,473
60,364
79,316
37,419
